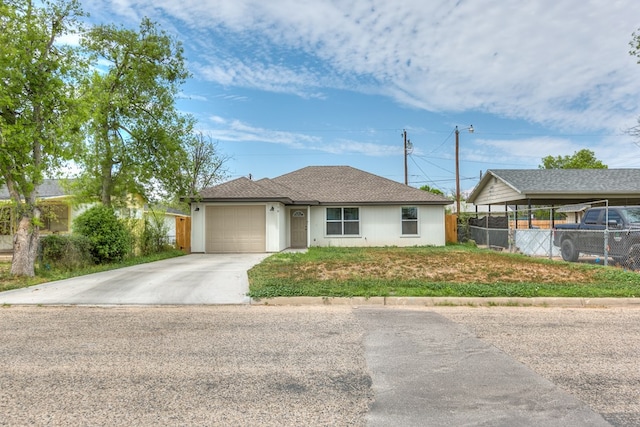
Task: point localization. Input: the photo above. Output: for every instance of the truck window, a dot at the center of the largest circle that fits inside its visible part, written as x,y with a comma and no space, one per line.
591,217
632,214
615,216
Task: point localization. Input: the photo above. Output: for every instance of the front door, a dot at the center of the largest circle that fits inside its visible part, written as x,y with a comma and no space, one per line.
298,228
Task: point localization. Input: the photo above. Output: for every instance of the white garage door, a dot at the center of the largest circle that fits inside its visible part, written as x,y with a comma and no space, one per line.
235,229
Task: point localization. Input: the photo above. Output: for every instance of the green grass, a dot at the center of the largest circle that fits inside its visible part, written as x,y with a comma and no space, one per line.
43,274
451,271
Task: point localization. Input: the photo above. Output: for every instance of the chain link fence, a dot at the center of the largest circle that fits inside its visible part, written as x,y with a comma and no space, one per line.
531,232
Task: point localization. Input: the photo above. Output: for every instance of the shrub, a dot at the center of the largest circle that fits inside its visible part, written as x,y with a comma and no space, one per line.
154,234
110,239
65,252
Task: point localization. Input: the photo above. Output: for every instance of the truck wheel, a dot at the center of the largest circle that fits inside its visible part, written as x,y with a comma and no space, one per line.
568,251
633,258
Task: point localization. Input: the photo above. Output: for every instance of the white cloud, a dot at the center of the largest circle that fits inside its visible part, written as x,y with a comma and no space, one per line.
563,64
192,97
238,131
346,146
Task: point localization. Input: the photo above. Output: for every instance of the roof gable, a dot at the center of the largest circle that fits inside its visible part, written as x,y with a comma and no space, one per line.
565,185
323,185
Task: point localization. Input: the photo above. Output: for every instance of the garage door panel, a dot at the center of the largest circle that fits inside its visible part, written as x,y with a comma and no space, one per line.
235,229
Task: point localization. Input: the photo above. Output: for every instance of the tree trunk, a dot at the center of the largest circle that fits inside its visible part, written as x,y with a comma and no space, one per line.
25,247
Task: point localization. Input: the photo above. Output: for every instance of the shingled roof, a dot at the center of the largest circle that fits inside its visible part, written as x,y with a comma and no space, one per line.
322,185
50,188
555,186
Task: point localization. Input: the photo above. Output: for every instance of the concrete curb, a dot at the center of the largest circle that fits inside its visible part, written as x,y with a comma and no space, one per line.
452,301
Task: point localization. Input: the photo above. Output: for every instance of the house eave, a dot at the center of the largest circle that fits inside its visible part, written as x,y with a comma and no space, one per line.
284,201
386,203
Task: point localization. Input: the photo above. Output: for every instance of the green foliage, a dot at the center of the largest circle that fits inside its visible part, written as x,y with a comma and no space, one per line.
583,159
136,133
154,237
109,236
432,190
40,111
69,252
635,45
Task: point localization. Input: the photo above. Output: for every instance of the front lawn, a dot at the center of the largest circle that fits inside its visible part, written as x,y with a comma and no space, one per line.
451,271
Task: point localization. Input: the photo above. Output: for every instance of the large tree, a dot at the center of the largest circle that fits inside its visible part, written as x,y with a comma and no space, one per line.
583,159
204,166
137,135
39,110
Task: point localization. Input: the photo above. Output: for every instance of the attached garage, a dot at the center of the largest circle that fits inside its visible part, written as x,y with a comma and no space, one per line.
235,229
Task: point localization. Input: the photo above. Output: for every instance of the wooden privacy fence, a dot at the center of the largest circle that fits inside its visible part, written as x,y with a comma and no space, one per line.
183,233
451,228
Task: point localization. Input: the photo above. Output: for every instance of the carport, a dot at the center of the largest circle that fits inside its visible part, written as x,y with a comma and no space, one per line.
557,187
519,192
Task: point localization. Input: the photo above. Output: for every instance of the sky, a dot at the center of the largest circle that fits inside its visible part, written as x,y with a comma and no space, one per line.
285,84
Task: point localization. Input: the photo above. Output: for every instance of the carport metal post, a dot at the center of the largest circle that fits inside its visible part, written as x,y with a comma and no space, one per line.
551,233
606,235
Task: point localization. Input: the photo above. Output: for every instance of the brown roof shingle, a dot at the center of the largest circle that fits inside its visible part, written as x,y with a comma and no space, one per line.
323,185
345,184
241,189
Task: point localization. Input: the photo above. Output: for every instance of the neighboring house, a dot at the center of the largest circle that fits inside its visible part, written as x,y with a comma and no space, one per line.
556,187
315,206
574,213
58,213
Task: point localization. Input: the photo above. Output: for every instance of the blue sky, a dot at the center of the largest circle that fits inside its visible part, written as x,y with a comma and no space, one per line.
284,84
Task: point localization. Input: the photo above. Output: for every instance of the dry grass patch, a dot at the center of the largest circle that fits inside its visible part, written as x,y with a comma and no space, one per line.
426,271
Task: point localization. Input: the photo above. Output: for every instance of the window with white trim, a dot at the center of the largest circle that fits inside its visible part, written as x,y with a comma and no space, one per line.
409,220
343,221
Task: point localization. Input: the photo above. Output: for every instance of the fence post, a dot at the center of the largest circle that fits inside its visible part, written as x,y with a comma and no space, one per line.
551,233
486,223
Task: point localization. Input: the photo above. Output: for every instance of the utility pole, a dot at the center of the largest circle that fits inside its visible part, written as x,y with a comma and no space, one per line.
470,129
406,174
457,172
407,148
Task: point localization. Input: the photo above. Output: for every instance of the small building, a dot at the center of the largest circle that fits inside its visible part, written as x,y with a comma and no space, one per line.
556,187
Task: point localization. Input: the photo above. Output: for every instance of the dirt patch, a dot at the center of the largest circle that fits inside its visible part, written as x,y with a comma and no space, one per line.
446,266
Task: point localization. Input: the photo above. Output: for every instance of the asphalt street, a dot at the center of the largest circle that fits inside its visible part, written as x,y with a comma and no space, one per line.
318,365
175,342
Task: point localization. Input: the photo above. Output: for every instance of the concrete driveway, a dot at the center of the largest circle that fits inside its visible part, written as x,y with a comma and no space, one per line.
191,279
